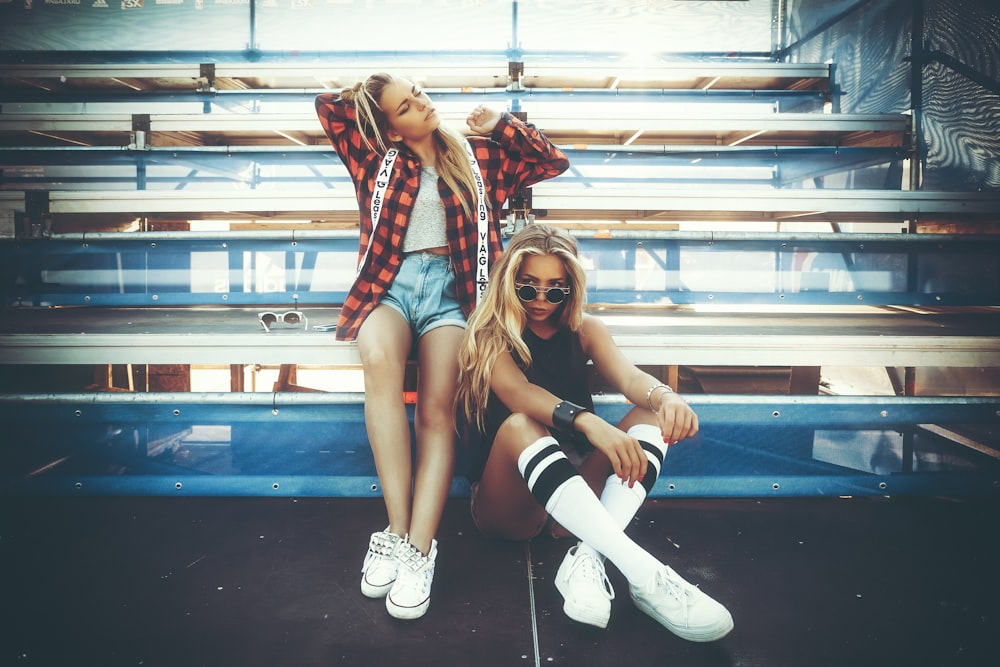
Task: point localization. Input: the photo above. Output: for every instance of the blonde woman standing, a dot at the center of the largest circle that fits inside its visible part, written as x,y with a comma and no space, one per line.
429,202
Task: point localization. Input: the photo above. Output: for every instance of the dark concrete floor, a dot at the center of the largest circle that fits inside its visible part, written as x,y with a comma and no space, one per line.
253,581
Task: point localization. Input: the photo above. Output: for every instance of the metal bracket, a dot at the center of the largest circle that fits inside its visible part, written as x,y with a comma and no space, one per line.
519,215
37,221
206,78
140,131
515,72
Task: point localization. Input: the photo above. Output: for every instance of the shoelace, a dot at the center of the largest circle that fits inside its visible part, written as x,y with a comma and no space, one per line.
593,570
419,581
677,590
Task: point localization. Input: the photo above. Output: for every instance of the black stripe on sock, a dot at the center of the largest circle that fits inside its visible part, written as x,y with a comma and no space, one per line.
550,479
538,458
652,470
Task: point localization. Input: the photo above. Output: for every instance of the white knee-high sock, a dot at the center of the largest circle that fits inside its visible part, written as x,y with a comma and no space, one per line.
622,501
565,495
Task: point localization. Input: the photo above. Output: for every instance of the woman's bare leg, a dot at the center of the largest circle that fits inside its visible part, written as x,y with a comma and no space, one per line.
434,425
504,506
384,342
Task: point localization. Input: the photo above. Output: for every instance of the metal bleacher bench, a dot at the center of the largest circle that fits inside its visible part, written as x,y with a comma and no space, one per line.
724,299
670,299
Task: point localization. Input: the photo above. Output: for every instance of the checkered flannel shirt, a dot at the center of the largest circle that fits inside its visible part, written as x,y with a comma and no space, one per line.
515,157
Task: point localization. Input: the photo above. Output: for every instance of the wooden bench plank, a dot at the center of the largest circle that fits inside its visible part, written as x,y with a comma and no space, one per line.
664,337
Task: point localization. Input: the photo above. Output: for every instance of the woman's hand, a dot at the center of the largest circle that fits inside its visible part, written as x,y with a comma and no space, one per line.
676,418
625,453
482,120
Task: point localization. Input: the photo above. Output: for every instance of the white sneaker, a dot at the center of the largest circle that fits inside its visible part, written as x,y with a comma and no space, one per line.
682,607
410,596
585,587
378,573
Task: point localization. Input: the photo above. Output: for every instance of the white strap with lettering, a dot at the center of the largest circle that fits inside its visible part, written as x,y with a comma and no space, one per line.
482,215
483,227
378,198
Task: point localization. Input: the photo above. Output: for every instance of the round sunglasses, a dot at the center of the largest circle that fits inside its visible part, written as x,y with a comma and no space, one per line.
530,292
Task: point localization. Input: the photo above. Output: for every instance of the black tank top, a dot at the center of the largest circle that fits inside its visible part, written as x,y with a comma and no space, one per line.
558,364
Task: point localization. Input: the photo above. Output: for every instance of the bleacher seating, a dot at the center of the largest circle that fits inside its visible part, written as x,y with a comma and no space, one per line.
100,268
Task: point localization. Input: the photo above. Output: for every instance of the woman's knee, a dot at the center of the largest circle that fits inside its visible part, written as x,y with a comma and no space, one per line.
519,430
637,415
380,362
434,413
383,345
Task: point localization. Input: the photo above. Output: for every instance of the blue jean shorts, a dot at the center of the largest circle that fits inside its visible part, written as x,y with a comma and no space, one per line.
423,292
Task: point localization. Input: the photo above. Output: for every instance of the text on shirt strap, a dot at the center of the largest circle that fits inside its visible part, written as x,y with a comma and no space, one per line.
378,198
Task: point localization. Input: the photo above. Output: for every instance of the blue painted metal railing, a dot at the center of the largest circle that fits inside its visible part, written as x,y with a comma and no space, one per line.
316,268
294,444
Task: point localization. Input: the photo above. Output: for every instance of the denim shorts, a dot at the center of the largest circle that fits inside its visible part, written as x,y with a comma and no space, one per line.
423,292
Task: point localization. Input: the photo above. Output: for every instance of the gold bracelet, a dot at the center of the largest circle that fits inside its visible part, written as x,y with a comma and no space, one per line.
649,394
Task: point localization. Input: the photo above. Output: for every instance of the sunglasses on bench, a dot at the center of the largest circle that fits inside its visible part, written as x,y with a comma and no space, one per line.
268,319
530,293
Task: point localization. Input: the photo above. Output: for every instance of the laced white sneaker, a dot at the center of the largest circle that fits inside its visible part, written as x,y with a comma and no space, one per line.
682,607
585,587
378,573
410,596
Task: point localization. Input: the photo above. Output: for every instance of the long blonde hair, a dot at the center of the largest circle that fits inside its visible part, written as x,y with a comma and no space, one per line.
451,163
497,324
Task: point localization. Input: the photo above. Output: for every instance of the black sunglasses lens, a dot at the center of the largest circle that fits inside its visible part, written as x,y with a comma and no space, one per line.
527,293
291,318
555,295
530,293
268,318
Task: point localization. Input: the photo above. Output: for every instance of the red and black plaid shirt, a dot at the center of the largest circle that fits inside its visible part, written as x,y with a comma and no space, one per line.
515,157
